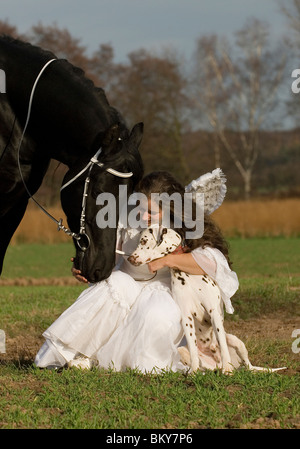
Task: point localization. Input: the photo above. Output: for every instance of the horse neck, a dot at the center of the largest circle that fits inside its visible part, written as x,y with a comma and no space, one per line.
58,129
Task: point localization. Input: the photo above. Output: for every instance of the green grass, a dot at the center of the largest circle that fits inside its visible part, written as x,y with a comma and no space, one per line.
268,270
32,398
34,307
268,257
38,260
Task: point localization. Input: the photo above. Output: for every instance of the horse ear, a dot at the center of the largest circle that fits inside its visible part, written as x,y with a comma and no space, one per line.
136,136
111,135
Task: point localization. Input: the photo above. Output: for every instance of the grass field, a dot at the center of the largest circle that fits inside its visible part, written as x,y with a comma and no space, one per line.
37,286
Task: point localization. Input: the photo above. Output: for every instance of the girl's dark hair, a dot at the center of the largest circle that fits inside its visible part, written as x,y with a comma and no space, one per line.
163,181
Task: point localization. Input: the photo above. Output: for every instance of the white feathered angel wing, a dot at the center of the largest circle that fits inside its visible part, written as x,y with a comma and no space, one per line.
213,186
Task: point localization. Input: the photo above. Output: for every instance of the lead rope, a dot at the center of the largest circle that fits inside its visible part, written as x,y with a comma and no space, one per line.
60,226
93,161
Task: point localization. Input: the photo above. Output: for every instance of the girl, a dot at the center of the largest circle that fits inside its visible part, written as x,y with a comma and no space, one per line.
130,319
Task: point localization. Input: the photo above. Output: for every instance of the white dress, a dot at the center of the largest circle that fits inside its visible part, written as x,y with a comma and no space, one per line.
122,322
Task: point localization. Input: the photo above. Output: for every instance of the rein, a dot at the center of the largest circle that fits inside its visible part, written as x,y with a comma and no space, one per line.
82,235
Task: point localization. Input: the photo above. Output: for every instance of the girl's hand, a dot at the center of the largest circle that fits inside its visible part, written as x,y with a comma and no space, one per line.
156,264
77,273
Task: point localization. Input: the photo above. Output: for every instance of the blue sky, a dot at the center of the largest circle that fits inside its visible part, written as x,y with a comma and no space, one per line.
133,24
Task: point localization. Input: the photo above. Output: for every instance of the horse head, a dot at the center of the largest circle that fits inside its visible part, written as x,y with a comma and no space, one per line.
85,180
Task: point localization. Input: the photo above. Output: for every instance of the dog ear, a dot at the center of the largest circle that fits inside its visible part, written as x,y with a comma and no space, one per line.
160,238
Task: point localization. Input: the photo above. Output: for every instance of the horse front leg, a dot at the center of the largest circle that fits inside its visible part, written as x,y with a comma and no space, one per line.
8,225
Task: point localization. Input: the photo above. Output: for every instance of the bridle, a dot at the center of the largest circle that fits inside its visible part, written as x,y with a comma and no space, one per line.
93,161
82,238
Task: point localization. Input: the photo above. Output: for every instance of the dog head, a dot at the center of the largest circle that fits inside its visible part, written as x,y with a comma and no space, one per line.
154,244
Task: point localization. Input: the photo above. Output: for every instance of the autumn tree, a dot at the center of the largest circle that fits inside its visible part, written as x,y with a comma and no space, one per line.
150,88
10,30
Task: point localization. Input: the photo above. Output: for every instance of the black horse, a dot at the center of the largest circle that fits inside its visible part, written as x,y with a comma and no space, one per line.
70,120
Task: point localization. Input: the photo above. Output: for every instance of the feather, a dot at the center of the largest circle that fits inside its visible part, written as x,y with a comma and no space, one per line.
213,186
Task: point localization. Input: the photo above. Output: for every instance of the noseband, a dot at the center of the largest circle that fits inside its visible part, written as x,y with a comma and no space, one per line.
82,239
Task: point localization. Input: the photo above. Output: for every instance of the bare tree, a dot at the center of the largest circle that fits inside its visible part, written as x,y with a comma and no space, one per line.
239,91
210,89
62,44
291,10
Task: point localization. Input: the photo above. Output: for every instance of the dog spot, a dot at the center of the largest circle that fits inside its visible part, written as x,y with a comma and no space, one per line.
195,314
200,329
181,279
191,334
191,325
190,318
218,329
204,280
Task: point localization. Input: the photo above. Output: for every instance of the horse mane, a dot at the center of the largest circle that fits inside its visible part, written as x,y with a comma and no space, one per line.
74,71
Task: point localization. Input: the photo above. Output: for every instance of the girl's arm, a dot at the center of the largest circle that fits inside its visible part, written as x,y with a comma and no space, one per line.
184,262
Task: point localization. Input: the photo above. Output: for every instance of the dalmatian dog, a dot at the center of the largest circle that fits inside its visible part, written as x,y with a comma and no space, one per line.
202,310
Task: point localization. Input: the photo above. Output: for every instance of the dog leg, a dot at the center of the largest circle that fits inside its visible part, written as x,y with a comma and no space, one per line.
184,355
190,335
239,348
242,352
218,327
179,294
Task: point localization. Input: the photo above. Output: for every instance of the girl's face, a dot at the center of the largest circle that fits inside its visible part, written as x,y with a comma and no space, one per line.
151,213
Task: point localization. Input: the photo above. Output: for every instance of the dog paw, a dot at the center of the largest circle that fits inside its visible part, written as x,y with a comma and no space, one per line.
228,369
194,367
